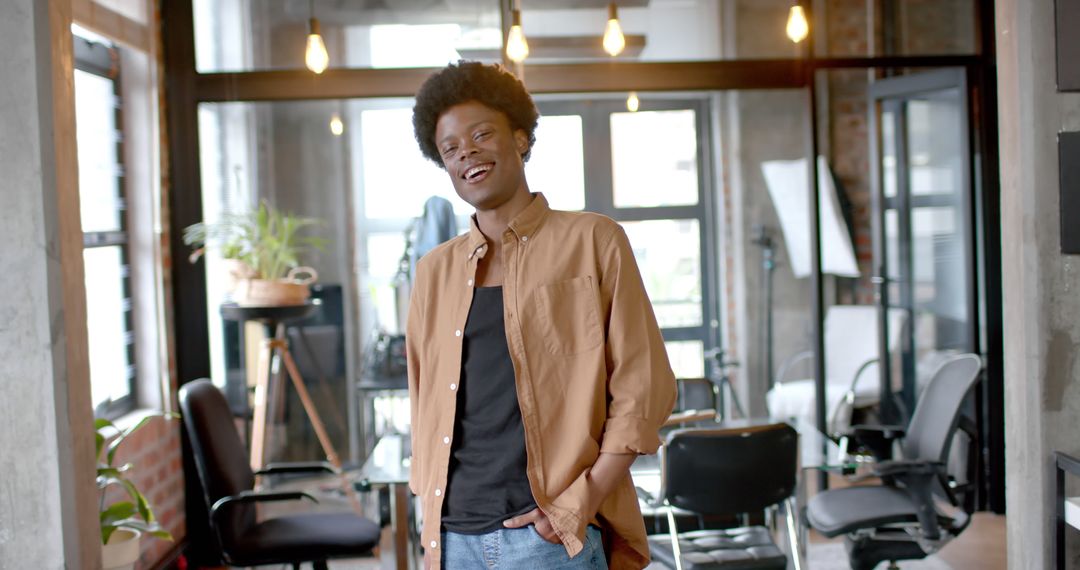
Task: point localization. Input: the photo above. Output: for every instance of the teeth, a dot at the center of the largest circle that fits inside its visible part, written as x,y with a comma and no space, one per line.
477,170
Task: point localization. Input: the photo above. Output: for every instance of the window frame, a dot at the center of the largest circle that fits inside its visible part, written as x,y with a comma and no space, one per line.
104,61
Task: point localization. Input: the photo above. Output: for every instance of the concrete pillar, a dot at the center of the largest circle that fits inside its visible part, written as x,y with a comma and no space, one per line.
48,515
1041,305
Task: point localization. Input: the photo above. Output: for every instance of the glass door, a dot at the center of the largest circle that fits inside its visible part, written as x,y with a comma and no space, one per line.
923,236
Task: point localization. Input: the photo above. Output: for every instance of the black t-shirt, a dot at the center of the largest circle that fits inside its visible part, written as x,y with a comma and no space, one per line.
487,483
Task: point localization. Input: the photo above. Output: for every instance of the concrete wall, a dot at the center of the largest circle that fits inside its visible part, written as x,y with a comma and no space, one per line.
1042,310
48,515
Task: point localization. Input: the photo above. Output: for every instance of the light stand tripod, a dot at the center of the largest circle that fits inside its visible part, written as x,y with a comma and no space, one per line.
768,264
273,351
721,381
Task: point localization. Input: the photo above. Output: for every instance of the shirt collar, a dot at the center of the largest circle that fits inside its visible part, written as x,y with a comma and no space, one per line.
524,224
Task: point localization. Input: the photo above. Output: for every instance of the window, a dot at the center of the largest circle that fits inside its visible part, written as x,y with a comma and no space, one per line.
105,233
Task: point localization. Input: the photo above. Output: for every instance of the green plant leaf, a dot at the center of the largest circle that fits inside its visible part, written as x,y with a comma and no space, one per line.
153,529
117,511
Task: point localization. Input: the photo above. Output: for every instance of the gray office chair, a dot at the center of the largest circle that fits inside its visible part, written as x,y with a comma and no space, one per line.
919,506
723,471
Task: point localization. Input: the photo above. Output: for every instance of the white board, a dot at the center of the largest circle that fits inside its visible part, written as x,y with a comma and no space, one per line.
788,186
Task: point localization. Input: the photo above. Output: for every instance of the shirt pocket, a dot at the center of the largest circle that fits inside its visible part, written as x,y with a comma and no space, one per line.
568,316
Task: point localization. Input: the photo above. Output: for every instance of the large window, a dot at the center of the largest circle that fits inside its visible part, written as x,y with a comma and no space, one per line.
105,233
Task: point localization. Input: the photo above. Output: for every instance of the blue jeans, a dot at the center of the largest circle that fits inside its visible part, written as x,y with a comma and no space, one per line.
517,548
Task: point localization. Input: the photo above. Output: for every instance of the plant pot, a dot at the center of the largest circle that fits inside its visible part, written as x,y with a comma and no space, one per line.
236,271
292,290
122,550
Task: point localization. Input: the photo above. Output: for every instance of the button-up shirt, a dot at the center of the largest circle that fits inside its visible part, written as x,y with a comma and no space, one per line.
590,366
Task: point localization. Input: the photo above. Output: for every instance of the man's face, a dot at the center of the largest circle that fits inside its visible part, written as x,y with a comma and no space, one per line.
482,154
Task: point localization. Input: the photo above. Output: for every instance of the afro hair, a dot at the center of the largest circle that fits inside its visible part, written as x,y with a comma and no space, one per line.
489,85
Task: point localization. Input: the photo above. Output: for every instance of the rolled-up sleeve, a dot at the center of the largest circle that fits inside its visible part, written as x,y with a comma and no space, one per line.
641,385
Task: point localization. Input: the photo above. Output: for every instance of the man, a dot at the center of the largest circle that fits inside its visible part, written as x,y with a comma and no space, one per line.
537,372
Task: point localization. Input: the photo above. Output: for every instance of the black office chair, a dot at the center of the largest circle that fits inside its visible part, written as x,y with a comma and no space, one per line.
720,471
227,481
906,517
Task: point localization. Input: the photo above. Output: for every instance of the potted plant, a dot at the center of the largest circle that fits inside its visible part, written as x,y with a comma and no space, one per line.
122,521
262,248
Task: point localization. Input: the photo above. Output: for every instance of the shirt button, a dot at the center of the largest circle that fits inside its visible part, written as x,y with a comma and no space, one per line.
524,238
438,492
470,282
446,439
453,386
434,544
457,332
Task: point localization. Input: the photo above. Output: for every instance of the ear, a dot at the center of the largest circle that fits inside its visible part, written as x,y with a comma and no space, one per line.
521,140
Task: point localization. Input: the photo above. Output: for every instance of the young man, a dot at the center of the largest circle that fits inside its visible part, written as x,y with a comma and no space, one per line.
537,372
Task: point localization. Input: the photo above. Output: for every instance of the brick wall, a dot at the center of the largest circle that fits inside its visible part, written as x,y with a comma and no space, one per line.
154,452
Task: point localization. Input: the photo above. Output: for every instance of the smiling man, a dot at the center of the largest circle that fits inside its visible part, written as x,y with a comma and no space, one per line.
537,372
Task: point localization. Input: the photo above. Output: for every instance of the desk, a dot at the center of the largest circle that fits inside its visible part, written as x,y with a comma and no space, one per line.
388,466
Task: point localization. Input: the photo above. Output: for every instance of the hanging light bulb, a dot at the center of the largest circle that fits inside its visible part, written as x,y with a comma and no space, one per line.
517,49
797,26
632,102
336,126
614,41
316,57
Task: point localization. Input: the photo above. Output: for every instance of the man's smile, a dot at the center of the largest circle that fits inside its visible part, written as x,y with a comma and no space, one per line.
476,173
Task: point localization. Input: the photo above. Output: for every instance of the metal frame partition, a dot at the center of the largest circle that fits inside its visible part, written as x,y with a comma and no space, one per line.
186,88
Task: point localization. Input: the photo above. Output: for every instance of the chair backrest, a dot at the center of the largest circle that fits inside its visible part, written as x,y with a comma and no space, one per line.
220,457
937,413
851,339
730,470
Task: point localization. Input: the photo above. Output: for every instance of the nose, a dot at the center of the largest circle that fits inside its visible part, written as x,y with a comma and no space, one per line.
468,148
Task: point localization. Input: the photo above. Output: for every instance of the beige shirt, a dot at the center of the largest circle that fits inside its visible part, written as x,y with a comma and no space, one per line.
591,370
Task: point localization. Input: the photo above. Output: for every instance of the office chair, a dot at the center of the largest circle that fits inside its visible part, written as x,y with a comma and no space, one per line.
851,369
904,518
228,481
719,471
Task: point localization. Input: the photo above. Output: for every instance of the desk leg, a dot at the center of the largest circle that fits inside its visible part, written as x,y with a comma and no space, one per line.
399,521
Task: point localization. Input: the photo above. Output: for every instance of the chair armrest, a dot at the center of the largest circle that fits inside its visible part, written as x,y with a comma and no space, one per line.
297,467
646,496
902,468
789,362
255,497
877,438
916,478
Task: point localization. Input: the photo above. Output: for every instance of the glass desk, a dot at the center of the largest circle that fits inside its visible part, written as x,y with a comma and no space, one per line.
388,466
389,462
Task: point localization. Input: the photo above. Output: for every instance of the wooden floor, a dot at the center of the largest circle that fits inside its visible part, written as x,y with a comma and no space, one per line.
981,545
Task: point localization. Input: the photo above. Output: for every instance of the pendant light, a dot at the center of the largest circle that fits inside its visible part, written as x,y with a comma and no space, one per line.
517,49
632,102
797,26
614,41
316,57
